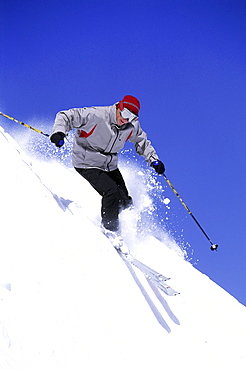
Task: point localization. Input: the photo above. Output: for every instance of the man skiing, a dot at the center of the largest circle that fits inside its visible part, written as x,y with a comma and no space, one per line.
101,132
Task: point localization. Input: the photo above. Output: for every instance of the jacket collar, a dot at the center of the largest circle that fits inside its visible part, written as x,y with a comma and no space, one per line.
112,114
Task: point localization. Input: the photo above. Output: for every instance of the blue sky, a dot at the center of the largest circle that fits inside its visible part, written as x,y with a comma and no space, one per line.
184,60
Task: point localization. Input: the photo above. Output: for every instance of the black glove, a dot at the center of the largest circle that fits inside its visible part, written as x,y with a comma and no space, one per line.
158,166
58,138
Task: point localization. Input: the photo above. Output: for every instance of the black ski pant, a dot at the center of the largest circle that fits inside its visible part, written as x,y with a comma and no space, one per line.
111,186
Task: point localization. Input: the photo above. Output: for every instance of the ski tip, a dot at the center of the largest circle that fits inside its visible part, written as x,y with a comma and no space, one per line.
163,278
177,293
172,292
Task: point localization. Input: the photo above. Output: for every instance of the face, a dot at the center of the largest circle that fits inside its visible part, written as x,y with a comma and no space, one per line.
120,120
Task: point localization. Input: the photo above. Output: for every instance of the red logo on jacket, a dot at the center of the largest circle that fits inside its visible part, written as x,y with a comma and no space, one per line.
87,134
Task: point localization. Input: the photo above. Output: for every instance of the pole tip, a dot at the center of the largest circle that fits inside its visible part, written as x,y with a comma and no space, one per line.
214,247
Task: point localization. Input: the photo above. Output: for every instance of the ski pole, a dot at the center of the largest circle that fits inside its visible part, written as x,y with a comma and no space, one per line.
213,246
24,124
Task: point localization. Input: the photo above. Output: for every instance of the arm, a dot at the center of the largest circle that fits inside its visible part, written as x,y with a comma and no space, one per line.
144,148
68,119
65,121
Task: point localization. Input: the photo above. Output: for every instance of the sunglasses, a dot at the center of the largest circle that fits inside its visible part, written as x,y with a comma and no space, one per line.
127,114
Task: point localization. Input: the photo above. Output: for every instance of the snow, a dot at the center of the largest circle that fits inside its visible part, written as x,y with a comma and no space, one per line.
166,201
67,300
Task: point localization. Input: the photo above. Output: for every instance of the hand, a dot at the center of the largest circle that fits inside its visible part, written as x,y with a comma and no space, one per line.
57,138
158,166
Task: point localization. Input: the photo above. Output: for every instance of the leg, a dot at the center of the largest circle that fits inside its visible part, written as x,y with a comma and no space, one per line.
110,192
125,199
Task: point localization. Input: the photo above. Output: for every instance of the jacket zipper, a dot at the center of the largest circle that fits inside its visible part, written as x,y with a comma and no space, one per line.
111,156
117,134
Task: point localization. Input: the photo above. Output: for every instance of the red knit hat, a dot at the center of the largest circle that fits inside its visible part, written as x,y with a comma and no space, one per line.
131,103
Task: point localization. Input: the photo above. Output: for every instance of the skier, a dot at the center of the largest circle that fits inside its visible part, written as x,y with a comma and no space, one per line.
101,133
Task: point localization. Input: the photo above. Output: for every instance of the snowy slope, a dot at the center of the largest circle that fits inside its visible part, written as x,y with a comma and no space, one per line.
67,300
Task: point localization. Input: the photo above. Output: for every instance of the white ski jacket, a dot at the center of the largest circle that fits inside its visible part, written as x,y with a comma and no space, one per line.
98,138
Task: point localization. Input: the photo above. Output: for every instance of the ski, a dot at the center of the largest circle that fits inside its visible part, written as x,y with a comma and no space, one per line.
164,287
163,302
149,271
116,240
151,304
151,275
